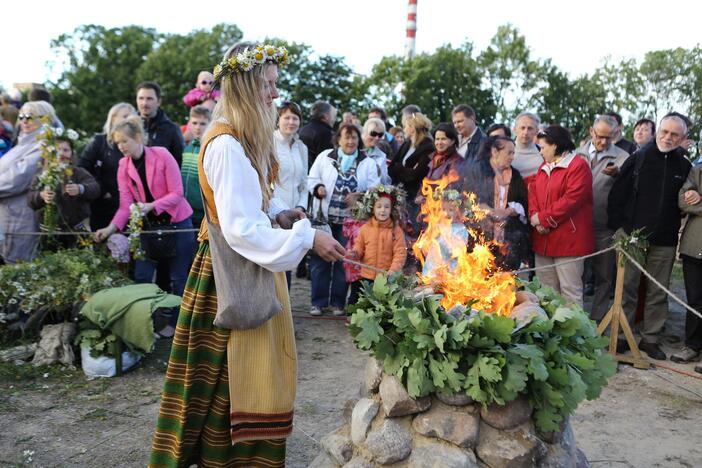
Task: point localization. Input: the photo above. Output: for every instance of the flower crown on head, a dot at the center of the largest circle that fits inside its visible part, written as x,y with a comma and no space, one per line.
245,61
364,207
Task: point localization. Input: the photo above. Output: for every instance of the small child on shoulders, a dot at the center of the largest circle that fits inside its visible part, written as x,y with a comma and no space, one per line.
203,90
381,241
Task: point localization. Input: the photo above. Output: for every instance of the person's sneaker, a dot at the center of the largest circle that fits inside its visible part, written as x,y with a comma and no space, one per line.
685,355
653,350
316,311
338,311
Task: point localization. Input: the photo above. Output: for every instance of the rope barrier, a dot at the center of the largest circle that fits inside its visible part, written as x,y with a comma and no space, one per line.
573,260
655,281
83,233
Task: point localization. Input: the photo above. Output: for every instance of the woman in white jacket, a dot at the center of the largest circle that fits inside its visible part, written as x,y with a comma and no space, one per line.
291,187
336,180
292,156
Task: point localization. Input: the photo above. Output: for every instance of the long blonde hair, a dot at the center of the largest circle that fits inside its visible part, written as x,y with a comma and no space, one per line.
241,106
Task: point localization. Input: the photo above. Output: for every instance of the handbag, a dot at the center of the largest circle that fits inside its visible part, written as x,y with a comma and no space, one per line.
320,222
160,245
246,295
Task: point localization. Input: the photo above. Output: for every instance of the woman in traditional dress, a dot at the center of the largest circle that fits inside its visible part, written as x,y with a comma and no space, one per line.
228,394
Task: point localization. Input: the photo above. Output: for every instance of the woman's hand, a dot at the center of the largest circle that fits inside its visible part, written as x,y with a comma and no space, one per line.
327,247
104,233
47,195
72,189
692,197
286,218
500,214
534,220
320,192
145,207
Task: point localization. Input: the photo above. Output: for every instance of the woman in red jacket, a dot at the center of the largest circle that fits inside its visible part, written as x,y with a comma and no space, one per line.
560,210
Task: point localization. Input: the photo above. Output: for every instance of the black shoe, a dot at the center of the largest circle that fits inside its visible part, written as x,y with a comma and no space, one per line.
653,350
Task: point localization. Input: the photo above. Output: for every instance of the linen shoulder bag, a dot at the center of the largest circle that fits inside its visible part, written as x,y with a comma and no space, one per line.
246,296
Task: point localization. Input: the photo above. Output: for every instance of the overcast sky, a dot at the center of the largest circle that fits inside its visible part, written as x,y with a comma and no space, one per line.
576,35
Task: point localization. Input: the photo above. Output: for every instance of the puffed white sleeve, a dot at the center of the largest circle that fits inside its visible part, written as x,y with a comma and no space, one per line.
245,226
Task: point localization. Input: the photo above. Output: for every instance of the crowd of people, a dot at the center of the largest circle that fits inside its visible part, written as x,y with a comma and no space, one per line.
278,190
549,200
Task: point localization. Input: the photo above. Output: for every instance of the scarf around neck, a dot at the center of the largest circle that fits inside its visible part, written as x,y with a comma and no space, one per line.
346,160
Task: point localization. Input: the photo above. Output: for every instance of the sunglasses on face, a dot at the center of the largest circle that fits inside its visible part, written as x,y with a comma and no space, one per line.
542,134
373,133
206,82
25,117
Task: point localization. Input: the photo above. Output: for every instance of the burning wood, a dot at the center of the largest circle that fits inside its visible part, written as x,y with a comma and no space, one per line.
449,267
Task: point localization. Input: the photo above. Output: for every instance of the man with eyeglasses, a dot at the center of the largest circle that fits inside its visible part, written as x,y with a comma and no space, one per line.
645,196
470,137
160,129
605,160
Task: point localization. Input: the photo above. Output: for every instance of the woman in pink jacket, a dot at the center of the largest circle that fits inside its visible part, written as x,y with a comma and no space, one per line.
150,178
560,210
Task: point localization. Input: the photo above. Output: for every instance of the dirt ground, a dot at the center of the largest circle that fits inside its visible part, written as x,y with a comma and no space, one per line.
56,417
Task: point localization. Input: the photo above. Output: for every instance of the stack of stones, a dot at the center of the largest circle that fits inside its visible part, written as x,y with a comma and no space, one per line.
386,427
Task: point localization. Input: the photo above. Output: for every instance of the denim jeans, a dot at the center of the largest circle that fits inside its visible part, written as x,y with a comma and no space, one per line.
329,286
179,266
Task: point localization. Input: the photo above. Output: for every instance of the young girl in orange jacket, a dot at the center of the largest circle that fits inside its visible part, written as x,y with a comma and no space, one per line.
381,242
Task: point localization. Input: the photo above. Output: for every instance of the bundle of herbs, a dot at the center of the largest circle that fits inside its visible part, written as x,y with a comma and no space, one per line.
554,357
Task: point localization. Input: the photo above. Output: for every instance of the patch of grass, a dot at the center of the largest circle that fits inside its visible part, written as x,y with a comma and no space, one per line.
305,409
99,414
27,373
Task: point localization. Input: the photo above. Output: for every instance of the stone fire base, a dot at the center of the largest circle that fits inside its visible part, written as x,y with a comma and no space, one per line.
386,427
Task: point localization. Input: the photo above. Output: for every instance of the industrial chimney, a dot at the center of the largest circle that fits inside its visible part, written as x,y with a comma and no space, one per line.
411,28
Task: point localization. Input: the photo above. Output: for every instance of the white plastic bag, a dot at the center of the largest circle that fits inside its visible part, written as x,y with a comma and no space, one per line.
104,366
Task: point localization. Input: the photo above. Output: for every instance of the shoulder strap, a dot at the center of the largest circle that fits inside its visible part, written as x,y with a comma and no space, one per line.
217,129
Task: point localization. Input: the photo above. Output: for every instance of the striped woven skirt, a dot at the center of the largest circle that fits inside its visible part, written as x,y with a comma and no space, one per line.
193,421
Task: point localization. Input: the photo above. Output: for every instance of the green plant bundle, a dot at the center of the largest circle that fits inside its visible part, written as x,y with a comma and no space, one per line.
556,361
100,342
57,281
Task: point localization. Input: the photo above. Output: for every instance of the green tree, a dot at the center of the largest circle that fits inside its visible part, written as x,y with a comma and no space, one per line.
175,64
623,86
435,82
509,71
309,78
571,103
100,65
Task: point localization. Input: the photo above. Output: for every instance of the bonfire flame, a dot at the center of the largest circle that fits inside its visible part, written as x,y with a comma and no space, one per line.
461,276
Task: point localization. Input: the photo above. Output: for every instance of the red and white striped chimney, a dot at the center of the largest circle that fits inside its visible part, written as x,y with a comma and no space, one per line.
411,28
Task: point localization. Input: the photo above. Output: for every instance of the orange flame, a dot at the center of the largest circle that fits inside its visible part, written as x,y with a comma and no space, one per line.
452,270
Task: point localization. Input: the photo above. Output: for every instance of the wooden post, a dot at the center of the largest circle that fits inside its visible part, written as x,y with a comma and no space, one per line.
616,318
